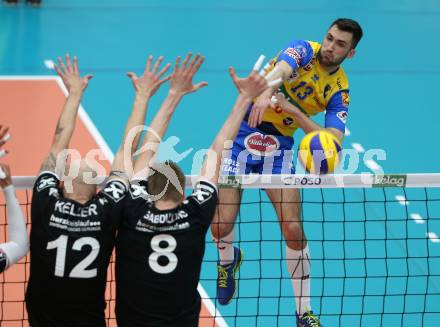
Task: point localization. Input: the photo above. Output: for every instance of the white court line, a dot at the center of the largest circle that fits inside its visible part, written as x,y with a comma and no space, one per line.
417,218
358,147
402,200
219,320
372,164
433,237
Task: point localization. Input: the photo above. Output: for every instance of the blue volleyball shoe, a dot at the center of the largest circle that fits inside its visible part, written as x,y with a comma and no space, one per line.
308,319
226,282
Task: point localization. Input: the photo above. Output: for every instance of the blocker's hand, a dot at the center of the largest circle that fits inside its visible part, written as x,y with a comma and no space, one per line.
150,81
70,75
181,80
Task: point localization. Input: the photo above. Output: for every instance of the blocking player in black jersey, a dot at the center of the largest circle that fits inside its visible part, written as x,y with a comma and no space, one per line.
73,233
161,240
17,245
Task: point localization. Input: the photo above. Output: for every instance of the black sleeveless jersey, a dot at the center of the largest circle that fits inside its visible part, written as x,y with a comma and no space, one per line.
70,248
158,258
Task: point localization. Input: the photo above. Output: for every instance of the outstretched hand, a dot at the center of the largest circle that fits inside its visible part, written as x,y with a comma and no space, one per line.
181,79
251,86
70,75
149,82
263,102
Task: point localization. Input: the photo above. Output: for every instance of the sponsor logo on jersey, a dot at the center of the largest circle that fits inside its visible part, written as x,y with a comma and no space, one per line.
202,193
301,50
115,190
294,54
46,182
389,180
342,115
345,99
75,225
147,227
308,67
338,83
288,121
327,89
292,78
260,144
103,201
54,192
138,191
318,102
230,166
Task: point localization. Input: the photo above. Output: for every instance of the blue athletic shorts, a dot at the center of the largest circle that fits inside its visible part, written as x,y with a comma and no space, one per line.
256,152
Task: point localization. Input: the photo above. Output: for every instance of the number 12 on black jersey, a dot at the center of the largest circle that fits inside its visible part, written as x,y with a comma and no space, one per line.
81,269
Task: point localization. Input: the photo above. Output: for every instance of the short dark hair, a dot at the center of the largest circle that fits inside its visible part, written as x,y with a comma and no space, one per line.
352,26
161,181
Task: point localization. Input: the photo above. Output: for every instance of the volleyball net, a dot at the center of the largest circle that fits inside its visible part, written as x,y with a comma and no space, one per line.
374,245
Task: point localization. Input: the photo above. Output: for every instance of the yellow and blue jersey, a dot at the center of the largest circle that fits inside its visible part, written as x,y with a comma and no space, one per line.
267,149
311,88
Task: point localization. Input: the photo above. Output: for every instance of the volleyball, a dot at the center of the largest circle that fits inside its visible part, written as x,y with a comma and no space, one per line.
319,152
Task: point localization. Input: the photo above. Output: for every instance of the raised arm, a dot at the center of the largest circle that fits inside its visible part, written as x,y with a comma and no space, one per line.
17,245
281,72
145,87
180,84
297,53
303,121
75,85
248,88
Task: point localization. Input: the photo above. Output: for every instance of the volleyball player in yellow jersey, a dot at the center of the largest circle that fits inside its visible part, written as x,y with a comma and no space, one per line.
312,82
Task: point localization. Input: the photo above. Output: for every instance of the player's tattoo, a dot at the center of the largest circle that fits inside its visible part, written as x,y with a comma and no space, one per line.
58,129
49,163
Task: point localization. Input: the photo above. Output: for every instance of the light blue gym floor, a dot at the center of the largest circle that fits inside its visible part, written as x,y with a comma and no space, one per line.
372,265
